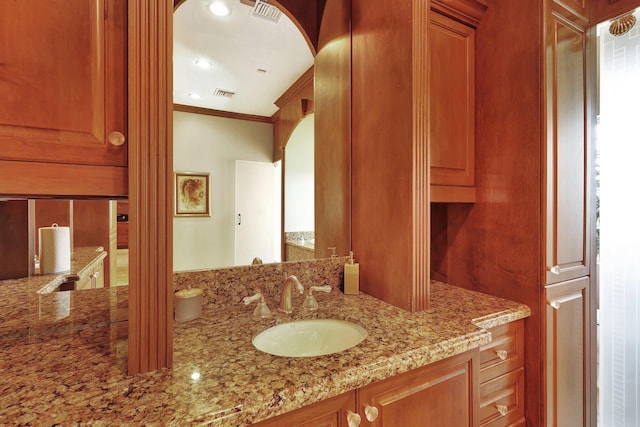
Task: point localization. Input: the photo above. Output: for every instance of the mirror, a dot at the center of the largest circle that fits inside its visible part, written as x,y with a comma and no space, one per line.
75,233
299,187
226,140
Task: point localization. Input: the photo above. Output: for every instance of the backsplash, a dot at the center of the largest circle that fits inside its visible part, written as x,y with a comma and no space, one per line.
231,285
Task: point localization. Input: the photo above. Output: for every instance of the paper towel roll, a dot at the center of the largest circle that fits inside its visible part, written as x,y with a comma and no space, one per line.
55,249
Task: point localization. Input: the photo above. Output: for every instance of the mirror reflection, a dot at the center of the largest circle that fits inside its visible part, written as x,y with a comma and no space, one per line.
232,74
66,244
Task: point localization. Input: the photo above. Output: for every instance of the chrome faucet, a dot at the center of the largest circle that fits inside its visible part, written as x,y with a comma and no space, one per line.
285,297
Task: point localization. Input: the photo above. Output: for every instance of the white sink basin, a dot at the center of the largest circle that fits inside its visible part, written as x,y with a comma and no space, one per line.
306,338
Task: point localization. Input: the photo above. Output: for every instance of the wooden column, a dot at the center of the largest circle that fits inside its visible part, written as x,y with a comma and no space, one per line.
150,185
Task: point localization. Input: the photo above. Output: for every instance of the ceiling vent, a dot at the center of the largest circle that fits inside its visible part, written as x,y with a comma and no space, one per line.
223,93
267,11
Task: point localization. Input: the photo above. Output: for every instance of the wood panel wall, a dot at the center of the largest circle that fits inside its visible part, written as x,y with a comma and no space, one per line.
390,155
332,152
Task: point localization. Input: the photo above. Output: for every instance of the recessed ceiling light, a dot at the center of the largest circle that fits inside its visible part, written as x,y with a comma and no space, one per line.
194,95
204,64
219,9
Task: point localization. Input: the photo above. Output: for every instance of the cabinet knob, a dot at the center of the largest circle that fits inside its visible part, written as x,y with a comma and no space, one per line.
502,354
370,412
353,419
502,409
116,138
555,269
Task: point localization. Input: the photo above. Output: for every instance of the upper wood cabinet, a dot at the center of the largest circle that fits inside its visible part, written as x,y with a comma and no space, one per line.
451,109
568,149
63,81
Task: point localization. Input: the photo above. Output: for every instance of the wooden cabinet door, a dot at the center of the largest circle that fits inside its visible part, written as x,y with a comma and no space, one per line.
451,103
568,150
330,412
63,80
439,394
63,85
567,353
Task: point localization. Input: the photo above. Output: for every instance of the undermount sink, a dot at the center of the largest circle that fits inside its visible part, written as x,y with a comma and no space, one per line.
312,337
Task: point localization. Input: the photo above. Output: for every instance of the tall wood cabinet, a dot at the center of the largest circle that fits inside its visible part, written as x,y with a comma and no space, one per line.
528,236
63,119
568,320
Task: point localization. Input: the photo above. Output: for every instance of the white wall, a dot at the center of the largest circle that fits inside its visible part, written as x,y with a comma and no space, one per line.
299,178
210,144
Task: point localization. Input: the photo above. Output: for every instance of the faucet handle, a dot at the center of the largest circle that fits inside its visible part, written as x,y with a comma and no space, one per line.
310,302
261,310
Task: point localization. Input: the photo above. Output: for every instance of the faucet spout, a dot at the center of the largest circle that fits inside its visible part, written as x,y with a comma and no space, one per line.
285,297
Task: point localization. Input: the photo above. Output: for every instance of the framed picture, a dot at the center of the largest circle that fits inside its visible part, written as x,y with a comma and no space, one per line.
192,194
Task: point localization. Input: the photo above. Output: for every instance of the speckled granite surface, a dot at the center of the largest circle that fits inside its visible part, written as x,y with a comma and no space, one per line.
77,376
29,307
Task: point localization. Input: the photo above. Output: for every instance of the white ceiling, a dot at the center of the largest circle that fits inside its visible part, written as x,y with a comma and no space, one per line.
237,45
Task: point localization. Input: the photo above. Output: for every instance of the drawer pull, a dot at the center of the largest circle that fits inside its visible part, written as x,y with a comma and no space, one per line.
370,412
555,269
116,138
353,419
502,354
502,409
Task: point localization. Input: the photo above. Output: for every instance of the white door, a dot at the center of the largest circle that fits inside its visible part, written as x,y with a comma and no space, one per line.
257,220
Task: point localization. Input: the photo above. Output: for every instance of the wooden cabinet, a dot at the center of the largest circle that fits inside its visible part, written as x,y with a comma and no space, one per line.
63,119
94,278
330,412
451,109
444,393
568,150
567,343
533,173
502,377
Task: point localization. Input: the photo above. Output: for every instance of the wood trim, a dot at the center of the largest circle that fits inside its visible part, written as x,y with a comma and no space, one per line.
449,194
150,185
219,113
55,179
421,160
469,12
295,89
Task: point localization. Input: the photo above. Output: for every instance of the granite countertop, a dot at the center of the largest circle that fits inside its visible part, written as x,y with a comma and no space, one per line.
218,378
31,307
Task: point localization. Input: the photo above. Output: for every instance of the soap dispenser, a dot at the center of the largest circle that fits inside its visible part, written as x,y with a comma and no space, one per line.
351,277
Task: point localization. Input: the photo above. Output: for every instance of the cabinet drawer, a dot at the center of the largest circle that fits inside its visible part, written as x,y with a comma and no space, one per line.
502,400
504,353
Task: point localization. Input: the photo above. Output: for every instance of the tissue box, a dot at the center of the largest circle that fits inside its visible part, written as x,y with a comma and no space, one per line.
188,304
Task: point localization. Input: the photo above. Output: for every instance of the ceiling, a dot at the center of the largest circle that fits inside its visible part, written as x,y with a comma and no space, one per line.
251,56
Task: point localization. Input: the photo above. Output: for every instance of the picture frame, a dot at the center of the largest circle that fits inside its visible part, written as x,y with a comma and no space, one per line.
192,194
